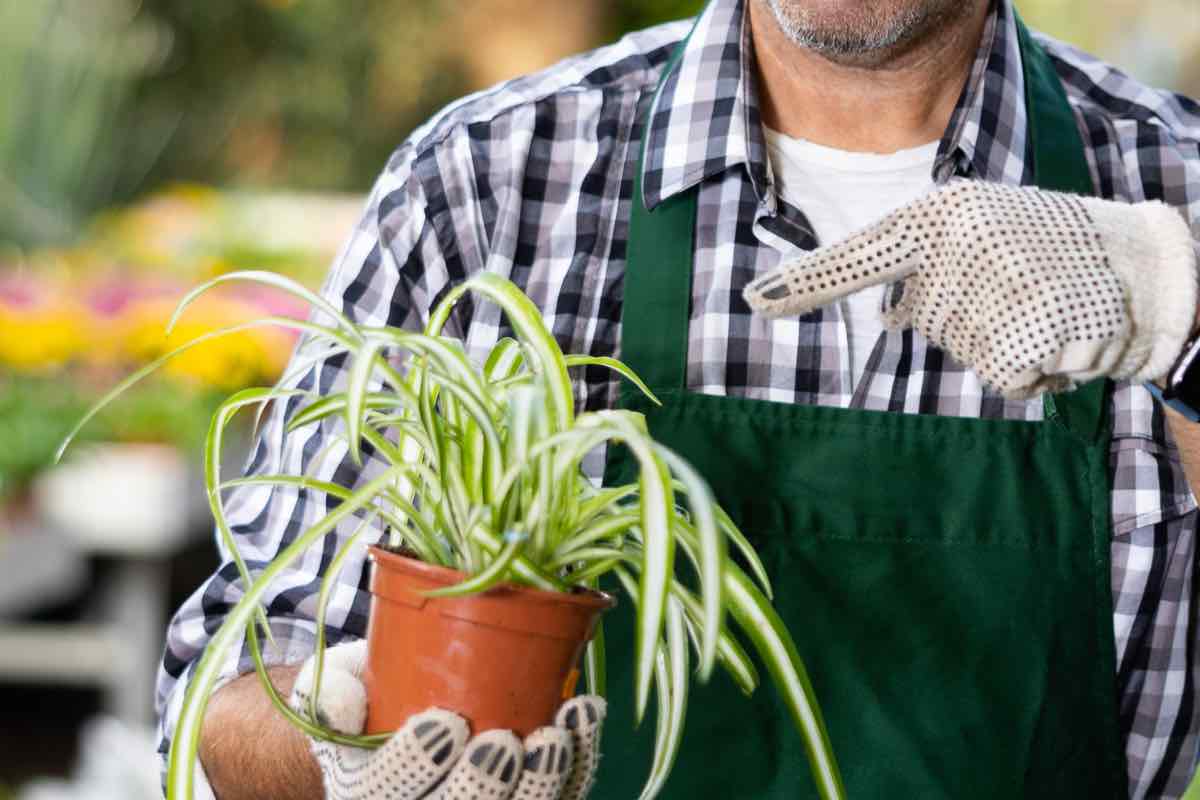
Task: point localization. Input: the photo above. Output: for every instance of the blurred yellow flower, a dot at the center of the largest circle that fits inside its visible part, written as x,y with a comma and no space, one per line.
116,323
40,339
228,362
99,310
41,325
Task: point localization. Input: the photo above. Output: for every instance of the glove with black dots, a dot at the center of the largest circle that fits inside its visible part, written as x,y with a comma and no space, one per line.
1036,291
433,757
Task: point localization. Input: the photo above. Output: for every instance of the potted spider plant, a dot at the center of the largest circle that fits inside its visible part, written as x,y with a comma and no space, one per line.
496,541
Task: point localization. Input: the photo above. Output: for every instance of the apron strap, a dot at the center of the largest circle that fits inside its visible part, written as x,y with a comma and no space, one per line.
658,277
658,291
1059,164
658,273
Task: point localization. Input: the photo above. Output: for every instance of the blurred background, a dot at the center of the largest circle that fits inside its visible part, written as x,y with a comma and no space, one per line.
146,146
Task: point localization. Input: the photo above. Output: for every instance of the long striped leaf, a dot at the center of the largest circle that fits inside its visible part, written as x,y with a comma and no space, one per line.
527,323
595,569
770,637
212,473
422,538
333,404
478,411
603,501
595,665
588,554
521,567
357,389
493,574
504,361
675,655
299,721
157,364
328,581
186,739
743,546
746,679
301,364
350,330
656,507
616,366
712,551
597,531
392,452
732,656
442,356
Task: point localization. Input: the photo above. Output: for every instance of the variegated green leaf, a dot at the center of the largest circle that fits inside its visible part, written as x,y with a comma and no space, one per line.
674,657
595,665
527,323
657,509
212,473
711,546
333,404
186,739
490,575
350,332
328,582
616,366
504,361
764,628
158,363
358,386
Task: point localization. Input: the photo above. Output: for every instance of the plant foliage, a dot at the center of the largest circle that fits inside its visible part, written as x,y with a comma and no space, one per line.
483,474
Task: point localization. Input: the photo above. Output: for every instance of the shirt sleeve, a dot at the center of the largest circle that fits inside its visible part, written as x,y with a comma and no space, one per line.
1154,518
387,272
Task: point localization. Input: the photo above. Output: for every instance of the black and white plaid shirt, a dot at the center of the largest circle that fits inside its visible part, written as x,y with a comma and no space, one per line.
532,180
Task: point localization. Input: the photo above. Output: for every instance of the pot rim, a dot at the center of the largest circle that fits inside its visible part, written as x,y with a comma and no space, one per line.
589,598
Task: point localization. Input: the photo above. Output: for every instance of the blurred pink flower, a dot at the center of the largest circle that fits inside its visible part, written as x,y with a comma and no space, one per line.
115,294
23,292
271,301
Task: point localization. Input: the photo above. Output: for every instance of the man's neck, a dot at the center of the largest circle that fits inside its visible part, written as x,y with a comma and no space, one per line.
897,101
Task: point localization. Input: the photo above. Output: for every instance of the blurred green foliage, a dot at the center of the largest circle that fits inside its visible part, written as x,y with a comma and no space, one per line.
71,140
102,100
36,413
316,94
311,95
631,15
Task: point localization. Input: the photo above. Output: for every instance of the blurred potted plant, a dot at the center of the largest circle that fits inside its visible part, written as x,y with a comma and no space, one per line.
487,510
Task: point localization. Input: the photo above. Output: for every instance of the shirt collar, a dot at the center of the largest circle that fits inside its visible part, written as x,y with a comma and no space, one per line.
705,119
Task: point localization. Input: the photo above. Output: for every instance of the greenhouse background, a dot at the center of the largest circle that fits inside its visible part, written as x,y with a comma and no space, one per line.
145,146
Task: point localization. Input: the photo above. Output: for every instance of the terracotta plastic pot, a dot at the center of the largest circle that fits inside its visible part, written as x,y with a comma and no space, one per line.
504,659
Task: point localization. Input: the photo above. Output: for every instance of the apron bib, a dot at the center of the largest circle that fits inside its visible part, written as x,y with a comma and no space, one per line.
946,580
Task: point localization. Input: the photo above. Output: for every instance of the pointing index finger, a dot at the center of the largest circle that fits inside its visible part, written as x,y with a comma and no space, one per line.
882,253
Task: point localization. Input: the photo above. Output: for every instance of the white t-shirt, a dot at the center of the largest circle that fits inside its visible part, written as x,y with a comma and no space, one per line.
842,192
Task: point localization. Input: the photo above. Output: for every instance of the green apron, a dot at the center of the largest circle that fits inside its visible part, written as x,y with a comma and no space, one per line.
946,579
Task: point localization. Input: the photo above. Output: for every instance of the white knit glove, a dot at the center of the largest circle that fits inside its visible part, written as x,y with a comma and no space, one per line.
431,757
1036,291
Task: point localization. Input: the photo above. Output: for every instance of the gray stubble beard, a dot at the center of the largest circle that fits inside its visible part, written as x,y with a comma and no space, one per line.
868,35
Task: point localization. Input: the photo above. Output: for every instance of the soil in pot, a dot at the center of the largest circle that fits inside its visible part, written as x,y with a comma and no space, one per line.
505,659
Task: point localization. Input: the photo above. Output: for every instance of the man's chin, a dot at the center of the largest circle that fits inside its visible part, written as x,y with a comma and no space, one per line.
862,31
